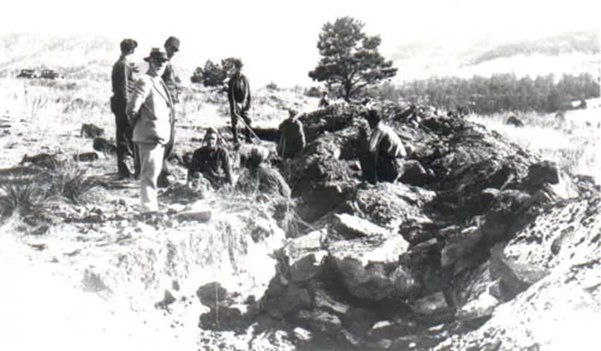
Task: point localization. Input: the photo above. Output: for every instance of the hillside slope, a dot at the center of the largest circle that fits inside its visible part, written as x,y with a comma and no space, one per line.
570,53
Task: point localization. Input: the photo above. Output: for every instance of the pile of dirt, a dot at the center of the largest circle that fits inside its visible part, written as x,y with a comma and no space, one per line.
395,265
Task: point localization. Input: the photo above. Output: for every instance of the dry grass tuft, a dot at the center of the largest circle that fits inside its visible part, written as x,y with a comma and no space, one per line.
70,181
21,199
573,143
25,192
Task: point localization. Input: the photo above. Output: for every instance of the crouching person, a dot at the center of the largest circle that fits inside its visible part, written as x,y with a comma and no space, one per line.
385,152
386,158
149,111
259,178
210,162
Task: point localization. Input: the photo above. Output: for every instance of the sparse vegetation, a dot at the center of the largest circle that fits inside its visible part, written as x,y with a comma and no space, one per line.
213,74
27,190
314,92
21,199
71,182
573,144
271,86
499,93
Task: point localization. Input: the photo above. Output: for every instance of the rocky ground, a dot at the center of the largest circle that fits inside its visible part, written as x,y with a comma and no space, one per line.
486,248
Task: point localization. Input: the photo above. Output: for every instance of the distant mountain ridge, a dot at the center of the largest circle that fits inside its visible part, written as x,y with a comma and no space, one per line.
73,55
569,52
91,56
579,42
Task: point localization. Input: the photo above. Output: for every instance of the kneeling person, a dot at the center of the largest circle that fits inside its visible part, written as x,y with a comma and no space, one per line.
211,161
385,149
258,177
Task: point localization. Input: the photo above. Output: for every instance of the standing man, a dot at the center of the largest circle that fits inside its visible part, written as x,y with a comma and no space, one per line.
150,111
173,84
123,80
238,94
292,136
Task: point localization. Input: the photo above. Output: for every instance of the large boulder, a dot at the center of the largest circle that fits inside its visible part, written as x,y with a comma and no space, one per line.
389,204
304,256
352,227
363,264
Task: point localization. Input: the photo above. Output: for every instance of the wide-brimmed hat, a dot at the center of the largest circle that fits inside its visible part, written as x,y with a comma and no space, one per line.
157,55
173,42
128,45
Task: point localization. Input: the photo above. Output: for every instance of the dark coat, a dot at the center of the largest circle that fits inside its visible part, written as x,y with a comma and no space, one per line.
292,138
122,78
238,92
213,164
172,81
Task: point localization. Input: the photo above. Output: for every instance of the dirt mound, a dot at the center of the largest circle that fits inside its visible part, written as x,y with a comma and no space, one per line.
440,247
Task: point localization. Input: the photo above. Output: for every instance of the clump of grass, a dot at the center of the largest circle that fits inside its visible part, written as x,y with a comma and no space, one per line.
25,193
70,181
35,104
22,199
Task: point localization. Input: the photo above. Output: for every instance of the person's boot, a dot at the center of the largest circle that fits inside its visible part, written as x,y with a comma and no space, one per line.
235,133
163,180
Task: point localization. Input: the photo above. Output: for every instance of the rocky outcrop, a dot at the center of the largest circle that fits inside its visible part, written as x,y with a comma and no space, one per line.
415,262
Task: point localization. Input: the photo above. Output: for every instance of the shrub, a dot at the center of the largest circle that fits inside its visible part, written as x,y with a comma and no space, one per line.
313,92
213,75
21,199
272,86
71,182
29,190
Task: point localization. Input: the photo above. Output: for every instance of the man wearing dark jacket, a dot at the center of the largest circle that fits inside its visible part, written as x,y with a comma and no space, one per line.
292,136
211,161
122,81
238,93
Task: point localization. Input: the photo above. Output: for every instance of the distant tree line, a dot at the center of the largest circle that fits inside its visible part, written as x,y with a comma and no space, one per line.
499,93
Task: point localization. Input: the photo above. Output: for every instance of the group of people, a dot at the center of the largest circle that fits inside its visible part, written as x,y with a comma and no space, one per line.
145,115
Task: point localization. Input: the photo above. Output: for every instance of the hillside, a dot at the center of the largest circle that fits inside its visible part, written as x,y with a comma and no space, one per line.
570,53
74,56
447,258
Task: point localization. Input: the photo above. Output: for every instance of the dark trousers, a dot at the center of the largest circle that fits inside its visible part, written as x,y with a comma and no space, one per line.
245,117
125,145
380,168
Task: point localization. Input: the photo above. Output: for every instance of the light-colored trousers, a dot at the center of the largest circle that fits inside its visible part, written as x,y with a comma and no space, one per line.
151,163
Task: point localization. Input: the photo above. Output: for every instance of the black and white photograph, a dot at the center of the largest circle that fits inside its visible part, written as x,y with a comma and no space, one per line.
300,176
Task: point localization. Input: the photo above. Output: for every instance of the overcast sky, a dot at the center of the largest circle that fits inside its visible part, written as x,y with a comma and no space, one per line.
277,39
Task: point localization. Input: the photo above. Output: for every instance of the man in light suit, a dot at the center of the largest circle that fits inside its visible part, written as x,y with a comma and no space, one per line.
150,110
173,83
